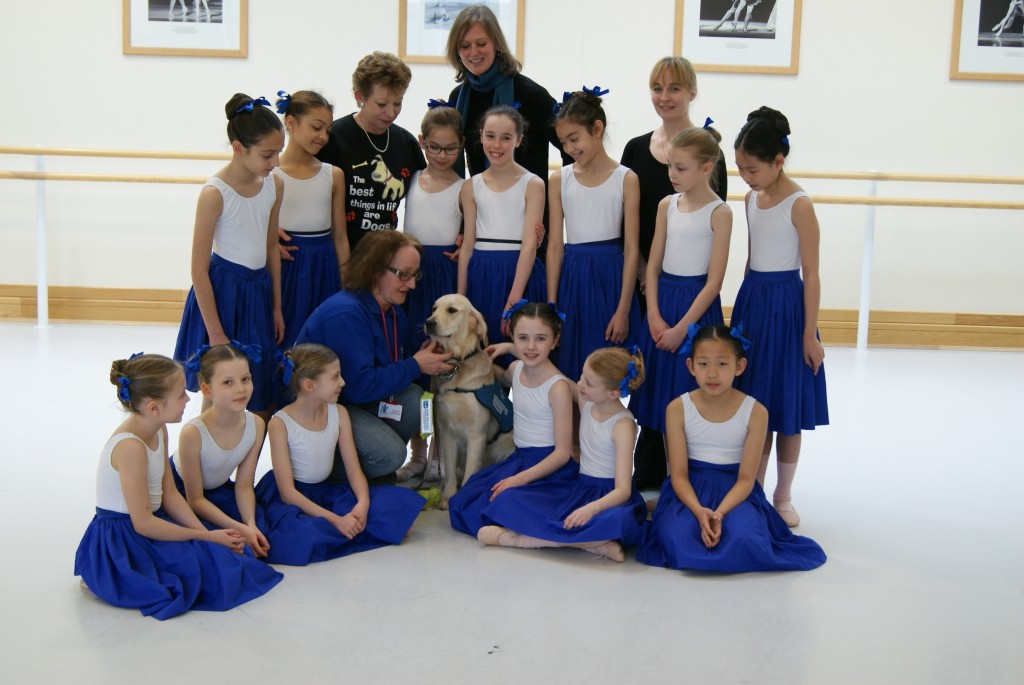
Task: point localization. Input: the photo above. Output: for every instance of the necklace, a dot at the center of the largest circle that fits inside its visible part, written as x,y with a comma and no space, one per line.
366,133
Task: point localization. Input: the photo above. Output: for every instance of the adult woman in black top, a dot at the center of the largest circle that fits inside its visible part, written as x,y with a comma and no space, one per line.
673,85
488,74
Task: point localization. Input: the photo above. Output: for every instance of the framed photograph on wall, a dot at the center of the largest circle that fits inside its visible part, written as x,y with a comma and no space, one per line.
743,36
988,40
423,27
193,28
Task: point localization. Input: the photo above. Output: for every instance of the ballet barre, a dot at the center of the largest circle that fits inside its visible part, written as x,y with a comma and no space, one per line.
870,201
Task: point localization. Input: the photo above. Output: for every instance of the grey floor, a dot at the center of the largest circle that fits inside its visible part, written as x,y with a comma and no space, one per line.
913,492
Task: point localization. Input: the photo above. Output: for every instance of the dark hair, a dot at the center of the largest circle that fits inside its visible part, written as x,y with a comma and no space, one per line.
505,111
719,332
464,20
702,143
381,69
248,127
310,359
584,109
765,135
372,255
441,117
302,102
147,376
537,310
611,365
214,356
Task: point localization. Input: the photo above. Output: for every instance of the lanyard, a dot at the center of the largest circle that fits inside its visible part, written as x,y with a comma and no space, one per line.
393,351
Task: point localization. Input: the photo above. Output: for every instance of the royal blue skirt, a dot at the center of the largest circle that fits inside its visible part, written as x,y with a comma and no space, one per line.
297,539
770,307
588,292
666,375
163,579
754,536
244,308
222,497
306,281
489,280
440,277
539,510
469,508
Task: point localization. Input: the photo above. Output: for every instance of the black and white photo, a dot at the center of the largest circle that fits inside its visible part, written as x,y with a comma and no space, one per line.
191,28
745,36
988,40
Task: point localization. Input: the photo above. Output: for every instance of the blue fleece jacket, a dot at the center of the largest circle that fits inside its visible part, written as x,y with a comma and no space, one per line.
349,322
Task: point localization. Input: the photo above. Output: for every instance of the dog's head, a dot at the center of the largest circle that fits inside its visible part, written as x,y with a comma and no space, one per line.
456,326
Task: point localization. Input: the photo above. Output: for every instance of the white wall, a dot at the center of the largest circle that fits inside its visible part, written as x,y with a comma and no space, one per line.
872,93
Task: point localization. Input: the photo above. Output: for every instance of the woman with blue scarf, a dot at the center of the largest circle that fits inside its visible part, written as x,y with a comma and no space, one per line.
488,74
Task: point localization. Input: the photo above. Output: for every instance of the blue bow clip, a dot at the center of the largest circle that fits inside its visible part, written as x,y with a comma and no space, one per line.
122,389
137,354
283,100
258,101
555,108
596,91
192,365
507,314
630,375
517,105
737,332
251,352
785,140
708,122
432,103
287,366
560,315
687,346
634,350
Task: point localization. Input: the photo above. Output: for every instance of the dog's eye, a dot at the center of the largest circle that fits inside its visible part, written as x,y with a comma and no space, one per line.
433,309
452,310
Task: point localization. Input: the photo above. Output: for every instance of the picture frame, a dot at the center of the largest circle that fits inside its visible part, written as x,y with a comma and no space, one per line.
423,27
988,40
189,28
739,36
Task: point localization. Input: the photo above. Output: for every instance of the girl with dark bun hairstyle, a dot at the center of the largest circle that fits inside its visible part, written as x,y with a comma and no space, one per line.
776,308
145,549
592,273
236,267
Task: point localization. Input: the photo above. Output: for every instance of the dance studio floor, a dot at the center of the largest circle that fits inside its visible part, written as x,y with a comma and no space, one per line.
914,492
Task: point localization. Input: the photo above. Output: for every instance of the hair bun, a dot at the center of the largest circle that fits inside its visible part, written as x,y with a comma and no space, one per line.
772,116
237,100
117,369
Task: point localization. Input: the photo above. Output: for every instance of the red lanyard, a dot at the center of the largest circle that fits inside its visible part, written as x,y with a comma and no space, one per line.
394,326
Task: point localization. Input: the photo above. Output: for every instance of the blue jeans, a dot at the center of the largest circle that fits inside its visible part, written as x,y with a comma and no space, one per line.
382,444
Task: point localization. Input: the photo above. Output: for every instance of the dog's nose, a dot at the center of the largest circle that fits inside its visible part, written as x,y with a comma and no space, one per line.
430,325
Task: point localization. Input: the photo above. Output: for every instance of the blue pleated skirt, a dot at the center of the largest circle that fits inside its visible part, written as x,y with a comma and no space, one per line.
469,508
440,277
297,539
244,307
754,536
222,497
666,375
770,307
163,579
489,280
539,510
306,281
588,292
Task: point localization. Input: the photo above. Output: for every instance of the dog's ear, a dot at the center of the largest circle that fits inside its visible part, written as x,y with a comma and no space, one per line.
481,326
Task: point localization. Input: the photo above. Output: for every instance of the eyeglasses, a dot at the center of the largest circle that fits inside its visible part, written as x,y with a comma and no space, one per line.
437,149
405,276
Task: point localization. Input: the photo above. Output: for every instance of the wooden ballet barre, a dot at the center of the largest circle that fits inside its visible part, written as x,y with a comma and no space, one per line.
896,176
124,154
900,202
101,178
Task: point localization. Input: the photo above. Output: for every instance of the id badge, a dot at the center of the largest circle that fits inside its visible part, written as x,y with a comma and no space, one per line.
389,411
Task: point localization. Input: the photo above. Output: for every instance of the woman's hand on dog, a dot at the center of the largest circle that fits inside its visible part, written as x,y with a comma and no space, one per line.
431,360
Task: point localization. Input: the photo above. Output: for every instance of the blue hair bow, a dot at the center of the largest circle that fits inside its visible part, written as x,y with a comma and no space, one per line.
122,389
596,91
251,352
708,122
630,375
432,103
560,315
287,366
507,314
283,100
137,354
737,332
785,140
687,346
258,101
192,365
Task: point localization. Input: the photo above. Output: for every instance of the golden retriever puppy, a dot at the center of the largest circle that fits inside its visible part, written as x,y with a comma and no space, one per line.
467,432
